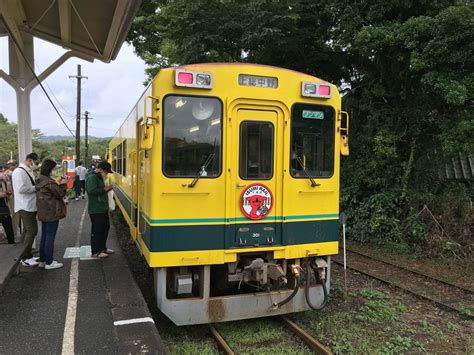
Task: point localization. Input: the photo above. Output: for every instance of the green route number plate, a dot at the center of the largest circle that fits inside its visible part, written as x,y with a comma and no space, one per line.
314,115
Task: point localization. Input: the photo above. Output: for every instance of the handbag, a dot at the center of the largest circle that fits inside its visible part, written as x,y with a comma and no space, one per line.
110,197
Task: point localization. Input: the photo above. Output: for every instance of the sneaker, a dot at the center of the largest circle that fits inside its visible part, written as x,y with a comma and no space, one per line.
29,262
53,265
41,264
36,258
76,199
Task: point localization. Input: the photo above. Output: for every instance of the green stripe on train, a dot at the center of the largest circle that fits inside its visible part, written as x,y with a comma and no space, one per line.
227,236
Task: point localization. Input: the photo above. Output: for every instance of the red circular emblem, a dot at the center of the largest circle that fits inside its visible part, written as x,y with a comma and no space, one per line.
256,201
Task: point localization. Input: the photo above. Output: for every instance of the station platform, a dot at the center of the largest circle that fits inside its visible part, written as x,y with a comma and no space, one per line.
88,306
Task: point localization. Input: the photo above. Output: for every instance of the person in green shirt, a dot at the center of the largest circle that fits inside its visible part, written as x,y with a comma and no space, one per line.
98,208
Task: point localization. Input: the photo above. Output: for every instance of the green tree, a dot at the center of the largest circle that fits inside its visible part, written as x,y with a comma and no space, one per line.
408,65
51,149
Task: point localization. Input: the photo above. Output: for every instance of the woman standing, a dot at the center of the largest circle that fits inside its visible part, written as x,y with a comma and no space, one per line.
51,208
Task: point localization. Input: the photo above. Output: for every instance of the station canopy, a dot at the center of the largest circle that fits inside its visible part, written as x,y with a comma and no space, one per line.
94,28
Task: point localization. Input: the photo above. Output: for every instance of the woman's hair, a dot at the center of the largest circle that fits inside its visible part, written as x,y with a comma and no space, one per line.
47,167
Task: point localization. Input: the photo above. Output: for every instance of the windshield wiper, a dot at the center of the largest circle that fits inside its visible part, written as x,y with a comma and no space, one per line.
313,183
204,167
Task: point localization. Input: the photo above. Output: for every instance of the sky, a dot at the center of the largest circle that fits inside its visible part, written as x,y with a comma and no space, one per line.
108,94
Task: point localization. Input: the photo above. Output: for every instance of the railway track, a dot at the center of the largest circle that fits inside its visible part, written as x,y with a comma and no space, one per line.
311,341
411,270
443,293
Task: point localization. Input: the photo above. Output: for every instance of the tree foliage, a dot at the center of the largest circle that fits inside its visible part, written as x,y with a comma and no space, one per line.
408,65
53,149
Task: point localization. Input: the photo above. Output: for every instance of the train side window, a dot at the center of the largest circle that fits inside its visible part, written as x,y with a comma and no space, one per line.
124,159
256,150
119,159
114,159
312,140
192,136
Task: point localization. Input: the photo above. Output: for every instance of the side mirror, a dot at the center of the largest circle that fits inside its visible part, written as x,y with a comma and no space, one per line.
344,133
147,136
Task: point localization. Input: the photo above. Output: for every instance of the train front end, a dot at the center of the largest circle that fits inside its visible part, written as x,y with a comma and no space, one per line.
239,203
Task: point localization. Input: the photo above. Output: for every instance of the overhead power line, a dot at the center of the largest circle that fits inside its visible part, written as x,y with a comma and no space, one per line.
17,45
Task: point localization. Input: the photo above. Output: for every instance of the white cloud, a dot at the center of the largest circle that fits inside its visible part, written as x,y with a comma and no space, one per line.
108,94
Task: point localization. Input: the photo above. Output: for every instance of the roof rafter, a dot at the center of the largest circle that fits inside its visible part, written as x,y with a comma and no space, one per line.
6,11
64,7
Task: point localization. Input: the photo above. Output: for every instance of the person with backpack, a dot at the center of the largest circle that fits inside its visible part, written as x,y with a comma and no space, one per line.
25,204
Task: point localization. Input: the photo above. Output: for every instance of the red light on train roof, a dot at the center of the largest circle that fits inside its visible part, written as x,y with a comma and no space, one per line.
324,90
185,78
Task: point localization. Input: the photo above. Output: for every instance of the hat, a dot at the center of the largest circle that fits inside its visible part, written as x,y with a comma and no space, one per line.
105,165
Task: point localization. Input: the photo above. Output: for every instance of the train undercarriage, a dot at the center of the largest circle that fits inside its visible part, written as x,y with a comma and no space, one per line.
253,286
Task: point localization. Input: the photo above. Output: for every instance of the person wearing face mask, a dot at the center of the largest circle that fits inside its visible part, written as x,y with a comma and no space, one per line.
23,183
51,208
98,208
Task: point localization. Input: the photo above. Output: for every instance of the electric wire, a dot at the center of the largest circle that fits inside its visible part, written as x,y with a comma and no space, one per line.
10,33
64,111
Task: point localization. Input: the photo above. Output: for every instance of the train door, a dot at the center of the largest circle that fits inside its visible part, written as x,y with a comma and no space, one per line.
139,186
257,185
133,172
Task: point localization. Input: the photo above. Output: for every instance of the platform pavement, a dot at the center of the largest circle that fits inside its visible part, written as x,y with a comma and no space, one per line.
37,307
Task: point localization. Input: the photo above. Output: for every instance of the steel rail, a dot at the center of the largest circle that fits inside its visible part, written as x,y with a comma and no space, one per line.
412,271
221,341
312,342
387,282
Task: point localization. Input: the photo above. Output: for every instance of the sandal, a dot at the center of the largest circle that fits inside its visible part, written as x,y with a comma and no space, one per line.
108,251
100,255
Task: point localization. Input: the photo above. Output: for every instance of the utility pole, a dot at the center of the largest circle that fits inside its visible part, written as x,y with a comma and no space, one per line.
78,112
87,118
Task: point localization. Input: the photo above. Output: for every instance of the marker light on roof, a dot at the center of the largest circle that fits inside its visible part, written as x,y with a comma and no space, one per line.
321,90
202,80
185,78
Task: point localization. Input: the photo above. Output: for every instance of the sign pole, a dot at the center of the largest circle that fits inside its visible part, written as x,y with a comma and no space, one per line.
343,219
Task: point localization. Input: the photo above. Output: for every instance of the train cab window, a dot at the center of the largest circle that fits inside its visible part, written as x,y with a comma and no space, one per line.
312,141
192,136
256,150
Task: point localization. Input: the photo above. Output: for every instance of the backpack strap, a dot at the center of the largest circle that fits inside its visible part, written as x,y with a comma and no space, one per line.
27,173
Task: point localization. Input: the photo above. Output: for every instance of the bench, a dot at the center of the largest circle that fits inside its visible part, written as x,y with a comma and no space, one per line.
9,260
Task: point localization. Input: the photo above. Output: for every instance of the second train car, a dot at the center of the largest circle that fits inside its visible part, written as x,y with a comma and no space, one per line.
228,176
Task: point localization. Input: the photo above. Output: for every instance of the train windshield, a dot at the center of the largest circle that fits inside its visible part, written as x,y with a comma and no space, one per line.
312,141
192,132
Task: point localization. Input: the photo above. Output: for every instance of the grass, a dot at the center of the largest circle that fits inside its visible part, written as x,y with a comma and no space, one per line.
367,321
261,336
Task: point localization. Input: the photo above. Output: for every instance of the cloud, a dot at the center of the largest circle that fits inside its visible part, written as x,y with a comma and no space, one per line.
108,94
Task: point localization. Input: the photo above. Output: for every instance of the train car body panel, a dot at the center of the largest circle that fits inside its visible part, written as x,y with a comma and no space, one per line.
242,168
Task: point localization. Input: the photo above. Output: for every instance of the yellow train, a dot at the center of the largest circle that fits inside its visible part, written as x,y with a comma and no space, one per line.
228,176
